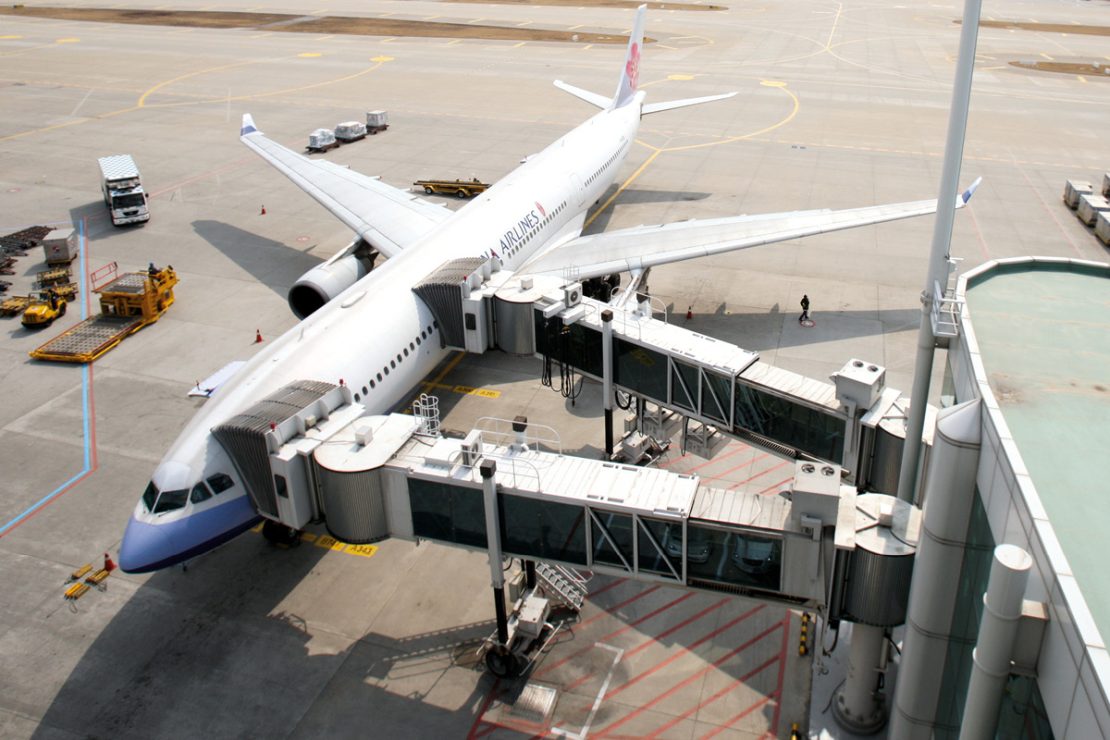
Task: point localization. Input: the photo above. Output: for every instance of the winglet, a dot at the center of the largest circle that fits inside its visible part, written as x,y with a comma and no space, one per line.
965,196
630,75
248,125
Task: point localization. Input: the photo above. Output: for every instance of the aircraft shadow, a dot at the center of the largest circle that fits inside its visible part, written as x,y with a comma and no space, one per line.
210,653
271,263
633,196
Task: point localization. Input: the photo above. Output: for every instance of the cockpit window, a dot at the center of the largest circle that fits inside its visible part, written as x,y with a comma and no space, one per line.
220,482
150,495
200,493
170,500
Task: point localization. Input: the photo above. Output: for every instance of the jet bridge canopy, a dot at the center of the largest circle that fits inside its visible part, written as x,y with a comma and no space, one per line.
244,436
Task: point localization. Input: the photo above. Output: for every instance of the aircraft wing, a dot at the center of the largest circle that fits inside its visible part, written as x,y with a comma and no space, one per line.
386,217
647,246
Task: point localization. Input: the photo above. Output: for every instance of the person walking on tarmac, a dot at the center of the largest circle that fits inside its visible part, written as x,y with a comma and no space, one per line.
805,309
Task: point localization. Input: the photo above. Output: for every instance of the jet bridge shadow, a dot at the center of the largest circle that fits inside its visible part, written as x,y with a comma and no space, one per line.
212,653
776,329
269,262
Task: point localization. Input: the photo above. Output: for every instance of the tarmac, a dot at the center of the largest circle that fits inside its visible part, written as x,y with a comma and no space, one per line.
840,105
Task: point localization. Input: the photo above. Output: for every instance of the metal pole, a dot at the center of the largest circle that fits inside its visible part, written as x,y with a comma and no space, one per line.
488,470
942,239
994,648
607,377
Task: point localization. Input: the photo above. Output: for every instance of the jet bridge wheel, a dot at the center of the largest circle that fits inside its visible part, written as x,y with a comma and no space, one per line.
502,664
279,534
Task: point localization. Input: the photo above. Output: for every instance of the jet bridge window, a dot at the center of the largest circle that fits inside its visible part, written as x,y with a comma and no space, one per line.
613,539
820,433
447,513
546,530
641,370
737,558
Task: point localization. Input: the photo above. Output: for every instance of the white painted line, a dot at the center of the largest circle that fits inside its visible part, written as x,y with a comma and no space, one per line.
585,731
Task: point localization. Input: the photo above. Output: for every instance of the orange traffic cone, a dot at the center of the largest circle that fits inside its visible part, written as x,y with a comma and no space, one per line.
258,336
263,211
689,312
109,564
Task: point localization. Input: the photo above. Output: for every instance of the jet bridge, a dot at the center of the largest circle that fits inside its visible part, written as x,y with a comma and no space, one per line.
854,422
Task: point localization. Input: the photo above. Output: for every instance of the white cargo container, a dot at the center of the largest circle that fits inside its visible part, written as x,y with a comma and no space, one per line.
350,131
123,190
321,140
376,120
59,247
1102,227
1073,189
1089,208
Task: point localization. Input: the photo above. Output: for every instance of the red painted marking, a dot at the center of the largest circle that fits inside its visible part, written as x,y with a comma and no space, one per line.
760,474
744,464
782,673
677,627
729,687
683,652
718,458
611,635
218,171
612,585
732,720
774,486
687,681
614,607
482,712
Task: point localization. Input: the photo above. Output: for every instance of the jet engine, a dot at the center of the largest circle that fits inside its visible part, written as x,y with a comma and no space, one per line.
325,281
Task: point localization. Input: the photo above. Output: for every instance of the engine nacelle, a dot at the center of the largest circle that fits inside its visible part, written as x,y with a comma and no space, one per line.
325,281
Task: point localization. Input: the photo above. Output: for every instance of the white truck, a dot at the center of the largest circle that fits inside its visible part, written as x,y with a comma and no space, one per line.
123,190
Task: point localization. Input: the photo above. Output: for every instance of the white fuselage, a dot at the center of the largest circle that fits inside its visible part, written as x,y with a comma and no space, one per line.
378,329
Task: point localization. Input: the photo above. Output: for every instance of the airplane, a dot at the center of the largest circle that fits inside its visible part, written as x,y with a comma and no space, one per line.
367,326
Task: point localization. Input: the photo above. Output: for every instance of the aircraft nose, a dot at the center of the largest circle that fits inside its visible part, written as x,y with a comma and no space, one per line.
144,548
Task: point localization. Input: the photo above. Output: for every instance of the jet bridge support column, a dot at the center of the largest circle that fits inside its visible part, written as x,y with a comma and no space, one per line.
607,376
488,469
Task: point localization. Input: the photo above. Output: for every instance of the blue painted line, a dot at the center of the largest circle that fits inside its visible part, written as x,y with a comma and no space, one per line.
86,420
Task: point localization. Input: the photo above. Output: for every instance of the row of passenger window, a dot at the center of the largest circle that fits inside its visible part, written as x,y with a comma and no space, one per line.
425,333
605,166
528,237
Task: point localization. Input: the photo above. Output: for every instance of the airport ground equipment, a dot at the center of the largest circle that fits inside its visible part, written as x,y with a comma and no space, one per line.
321,140
43,311
127,304
376,120
15,305
460,188
7,265
122,188
1102,227
1089,208
19,242
350,131
53,276
1073,189
60,246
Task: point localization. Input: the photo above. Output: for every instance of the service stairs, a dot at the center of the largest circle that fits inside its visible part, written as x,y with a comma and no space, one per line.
565,585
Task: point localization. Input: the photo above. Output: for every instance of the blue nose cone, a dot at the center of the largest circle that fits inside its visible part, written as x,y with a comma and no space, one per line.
145,548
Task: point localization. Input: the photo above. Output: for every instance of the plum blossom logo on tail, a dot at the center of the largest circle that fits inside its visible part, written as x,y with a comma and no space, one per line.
632,69
543,213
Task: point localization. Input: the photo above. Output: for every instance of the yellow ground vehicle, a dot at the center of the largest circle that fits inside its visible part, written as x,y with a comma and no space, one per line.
41,313
461,188
127,303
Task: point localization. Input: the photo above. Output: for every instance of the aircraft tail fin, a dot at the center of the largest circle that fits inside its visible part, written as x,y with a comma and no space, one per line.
630,75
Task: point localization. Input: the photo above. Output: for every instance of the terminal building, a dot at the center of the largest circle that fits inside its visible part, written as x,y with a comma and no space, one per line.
1027,377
